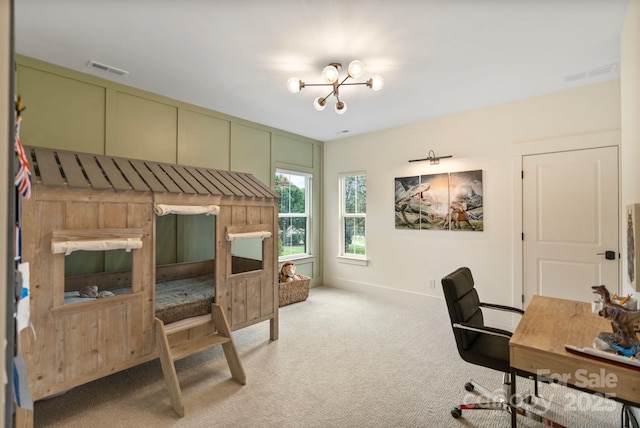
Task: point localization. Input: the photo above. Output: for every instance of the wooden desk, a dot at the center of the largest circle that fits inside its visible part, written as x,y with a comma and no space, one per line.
537,348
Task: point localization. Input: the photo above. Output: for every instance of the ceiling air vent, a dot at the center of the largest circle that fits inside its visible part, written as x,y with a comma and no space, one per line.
591,73
603,69
103,67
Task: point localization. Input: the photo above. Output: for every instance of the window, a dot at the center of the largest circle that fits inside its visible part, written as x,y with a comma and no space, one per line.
353,212
294,189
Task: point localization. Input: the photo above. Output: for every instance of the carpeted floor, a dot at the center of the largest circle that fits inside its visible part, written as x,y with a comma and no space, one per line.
342,360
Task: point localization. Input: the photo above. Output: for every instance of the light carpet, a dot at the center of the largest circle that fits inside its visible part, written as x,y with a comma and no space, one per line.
342,360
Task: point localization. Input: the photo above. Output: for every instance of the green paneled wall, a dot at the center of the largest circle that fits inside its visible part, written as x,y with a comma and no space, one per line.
70,110
62,112
292,152
145,129
205,135
251,151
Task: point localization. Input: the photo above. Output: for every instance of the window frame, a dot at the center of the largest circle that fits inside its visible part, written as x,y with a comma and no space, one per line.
344,215
308,178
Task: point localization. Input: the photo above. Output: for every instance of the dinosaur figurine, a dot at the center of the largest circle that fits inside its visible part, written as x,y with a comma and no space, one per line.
623,320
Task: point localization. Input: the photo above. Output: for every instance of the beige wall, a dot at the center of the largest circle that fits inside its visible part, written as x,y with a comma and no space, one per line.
630,147
401,262
75,111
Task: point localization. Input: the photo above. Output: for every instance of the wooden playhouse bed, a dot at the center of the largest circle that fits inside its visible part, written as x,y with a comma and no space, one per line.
82,200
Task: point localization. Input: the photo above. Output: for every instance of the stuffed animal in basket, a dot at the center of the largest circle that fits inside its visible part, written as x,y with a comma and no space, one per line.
287,272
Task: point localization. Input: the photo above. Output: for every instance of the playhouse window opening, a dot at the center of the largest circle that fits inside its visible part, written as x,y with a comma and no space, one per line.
185,238
97,274
246,255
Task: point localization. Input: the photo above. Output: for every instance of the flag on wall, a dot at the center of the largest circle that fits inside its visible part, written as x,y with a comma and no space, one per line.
23,314
23,176
21,393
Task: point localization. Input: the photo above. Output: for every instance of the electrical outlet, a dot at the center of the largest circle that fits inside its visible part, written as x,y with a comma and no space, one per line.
432,283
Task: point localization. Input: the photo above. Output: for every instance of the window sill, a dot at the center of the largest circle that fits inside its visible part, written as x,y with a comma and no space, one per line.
353,261
295,258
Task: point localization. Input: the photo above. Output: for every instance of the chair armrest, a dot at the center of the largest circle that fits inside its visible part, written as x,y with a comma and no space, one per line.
484,330
501,308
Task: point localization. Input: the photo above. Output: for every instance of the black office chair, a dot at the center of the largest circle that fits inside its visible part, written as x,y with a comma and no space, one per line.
479,344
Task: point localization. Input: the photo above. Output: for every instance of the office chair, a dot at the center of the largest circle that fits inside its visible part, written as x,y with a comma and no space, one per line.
481,345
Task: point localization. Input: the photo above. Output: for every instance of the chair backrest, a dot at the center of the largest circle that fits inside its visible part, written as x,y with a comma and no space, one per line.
463,305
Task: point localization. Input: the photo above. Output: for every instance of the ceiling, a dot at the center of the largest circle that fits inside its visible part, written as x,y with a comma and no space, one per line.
437,57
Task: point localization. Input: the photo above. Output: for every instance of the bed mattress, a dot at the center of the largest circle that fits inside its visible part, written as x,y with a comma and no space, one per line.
175,299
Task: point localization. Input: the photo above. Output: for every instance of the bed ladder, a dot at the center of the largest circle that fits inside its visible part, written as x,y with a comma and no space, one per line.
168,354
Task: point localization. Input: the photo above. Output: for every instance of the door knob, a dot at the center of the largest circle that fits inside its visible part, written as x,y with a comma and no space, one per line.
609,255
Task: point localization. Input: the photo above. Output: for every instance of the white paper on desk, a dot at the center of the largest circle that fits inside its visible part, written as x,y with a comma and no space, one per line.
23,317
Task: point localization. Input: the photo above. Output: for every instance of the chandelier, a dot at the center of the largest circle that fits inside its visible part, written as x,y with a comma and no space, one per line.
331,77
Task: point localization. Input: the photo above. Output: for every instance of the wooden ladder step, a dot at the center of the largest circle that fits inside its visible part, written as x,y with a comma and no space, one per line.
195,346
186,324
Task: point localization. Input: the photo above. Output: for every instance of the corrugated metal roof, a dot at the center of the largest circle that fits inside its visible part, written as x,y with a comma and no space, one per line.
52,167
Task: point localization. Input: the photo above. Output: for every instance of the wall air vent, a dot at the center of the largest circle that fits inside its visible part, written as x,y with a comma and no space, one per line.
107,68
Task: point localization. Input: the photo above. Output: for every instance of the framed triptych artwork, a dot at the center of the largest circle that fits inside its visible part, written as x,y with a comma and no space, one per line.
445,201
633,236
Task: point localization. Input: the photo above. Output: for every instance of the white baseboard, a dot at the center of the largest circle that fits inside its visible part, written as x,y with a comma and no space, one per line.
395,295
419,300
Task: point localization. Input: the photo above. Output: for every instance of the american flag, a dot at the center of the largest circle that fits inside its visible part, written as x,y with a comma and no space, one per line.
23,176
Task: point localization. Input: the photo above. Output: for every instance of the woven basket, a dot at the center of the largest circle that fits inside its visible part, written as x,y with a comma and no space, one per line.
294,291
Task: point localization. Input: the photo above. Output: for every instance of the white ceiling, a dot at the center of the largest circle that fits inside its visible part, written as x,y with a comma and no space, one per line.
437,57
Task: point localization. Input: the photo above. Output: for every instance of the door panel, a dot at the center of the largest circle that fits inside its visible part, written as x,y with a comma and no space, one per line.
570,218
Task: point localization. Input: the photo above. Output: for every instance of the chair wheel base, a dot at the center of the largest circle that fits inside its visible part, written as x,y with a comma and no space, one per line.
469,386
456,412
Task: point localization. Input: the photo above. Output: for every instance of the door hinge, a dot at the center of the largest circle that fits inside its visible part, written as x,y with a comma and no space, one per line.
523,299
522,174
522,236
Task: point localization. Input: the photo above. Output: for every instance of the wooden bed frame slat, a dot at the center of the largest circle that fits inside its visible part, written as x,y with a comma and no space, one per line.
148,176
241,184
257,190
178,179
72,170
217,183
162,177
48,167
267,191
200,178
227,183
186,175
131,175
114,174
93,171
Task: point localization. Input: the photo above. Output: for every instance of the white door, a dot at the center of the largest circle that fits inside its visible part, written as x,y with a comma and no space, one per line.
570,222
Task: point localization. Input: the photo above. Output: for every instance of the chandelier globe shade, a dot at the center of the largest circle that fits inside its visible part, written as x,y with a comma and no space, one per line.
341,107
293,85
377,83
319,103
330,73
356,69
